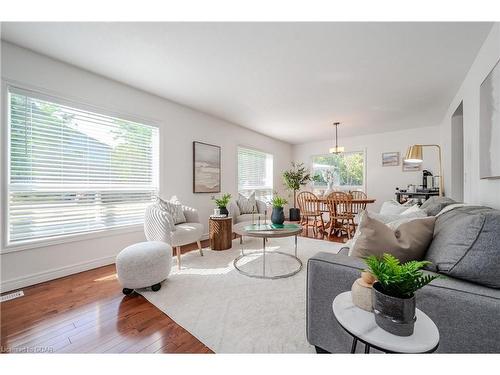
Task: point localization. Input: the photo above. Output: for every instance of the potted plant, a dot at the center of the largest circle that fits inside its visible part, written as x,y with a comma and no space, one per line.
222,203
278,216
394,292
293,179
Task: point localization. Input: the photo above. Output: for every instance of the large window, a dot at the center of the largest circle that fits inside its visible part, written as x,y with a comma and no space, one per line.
74,171
255,173
344,170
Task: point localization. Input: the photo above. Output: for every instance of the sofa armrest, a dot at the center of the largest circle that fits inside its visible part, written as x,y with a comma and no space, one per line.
328,275
158,224
191,214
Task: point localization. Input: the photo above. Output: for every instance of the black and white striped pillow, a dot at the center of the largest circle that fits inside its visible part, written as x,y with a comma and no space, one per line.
174,208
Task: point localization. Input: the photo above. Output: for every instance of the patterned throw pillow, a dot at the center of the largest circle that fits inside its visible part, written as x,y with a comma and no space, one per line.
247,205
174,208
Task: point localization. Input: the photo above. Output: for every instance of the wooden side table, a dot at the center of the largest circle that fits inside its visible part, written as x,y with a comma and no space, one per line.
220,232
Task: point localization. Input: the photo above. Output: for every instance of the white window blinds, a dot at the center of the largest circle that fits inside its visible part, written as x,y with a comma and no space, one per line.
255,173
74,171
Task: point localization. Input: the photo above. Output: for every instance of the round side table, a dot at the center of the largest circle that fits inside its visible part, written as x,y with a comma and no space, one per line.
360,324
220,231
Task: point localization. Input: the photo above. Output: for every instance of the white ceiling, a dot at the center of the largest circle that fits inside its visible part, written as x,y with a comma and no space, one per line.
287,80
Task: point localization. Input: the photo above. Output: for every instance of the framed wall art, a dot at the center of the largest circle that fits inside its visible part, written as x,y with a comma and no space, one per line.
489,125
206,168
390,159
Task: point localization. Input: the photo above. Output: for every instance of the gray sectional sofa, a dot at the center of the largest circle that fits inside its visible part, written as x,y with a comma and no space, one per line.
465,304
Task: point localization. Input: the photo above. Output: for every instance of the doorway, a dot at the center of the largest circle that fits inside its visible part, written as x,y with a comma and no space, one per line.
457,154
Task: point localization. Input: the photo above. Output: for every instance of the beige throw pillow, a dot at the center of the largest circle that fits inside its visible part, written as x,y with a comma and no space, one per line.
247,205
409,241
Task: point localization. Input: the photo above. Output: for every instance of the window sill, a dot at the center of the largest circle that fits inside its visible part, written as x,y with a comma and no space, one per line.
71,238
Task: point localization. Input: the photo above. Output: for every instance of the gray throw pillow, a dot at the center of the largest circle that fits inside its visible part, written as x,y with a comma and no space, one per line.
433,205
466,245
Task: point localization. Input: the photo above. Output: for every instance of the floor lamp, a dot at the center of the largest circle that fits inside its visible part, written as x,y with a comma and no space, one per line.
415,155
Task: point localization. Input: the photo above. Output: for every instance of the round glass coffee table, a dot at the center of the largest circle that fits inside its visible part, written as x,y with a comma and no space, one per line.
266,231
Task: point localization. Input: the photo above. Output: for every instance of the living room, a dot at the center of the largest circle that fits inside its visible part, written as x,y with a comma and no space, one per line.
250,187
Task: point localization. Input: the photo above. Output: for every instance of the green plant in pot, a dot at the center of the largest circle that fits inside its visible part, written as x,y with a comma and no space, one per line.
222,203
294,179
278,216
394,292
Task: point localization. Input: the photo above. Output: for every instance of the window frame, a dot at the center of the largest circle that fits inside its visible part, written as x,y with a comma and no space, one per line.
252,148
347,187
43,94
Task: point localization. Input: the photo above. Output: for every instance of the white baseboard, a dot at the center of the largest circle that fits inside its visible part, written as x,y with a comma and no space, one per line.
56,273
24,281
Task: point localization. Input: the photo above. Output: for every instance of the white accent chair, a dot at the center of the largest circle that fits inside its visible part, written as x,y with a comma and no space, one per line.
159,226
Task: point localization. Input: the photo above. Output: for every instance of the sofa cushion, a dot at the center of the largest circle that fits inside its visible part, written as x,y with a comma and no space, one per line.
466,245
409,241
248,217
186,233
433,205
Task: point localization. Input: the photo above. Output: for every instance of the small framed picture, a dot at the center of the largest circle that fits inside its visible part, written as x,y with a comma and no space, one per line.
390,159
411,167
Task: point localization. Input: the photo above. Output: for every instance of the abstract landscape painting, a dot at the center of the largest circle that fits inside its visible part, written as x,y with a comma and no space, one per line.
206,168
390,159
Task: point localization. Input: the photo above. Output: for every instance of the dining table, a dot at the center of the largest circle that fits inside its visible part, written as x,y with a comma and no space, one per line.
354,200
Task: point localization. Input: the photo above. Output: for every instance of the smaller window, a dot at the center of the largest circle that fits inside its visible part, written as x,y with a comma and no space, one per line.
344,170
255,173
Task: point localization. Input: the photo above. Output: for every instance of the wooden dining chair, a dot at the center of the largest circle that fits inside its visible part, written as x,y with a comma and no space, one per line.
341,215
357,207
310,210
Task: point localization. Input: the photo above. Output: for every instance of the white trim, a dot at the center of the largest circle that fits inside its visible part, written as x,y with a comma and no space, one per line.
40,277
57,240
55,273
6,85
365,158
76,102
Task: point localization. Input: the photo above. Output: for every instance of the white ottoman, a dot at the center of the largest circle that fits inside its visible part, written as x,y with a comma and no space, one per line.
144,264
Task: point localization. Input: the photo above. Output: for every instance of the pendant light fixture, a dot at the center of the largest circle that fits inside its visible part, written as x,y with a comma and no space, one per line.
337,149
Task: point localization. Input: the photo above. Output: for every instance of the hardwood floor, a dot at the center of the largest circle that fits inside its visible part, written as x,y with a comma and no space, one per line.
87,313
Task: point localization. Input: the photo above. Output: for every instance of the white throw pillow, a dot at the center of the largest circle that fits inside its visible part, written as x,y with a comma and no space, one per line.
414,210
247,205
392,208
174,208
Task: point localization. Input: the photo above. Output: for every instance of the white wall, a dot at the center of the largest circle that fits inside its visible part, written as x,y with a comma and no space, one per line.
179,127
486,192
381,182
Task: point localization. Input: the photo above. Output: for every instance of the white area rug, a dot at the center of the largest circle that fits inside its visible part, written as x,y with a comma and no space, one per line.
233,313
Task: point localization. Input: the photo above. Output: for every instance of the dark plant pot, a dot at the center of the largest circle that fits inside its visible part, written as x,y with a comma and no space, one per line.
224,211
294,214
395,315
278,216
